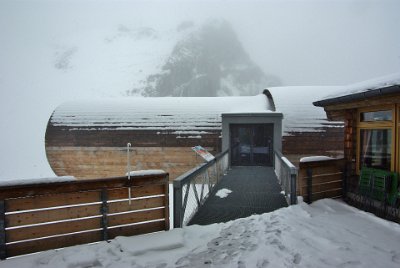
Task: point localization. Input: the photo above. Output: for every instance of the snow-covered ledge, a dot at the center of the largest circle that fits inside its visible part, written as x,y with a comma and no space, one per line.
17,182
315,158
147,172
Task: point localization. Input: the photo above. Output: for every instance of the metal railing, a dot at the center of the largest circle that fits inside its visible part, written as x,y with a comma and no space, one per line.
287,177
193,187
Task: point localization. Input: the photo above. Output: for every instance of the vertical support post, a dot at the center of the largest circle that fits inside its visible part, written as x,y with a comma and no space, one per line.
3,250
309,185
178,215
104,211
293,190
167,223
216,172
128,170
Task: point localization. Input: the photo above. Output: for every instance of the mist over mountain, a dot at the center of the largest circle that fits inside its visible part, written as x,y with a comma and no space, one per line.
208,61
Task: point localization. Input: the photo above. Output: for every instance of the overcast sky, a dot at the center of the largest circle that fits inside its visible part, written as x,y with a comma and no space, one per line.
301,42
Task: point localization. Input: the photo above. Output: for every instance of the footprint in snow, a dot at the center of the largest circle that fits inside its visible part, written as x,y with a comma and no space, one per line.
395,257
223,250
262,263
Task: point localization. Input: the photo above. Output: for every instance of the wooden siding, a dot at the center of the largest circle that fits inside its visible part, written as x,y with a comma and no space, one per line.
337,111
324,179
94,162
67,136
327,142
91,153
97,153
53,215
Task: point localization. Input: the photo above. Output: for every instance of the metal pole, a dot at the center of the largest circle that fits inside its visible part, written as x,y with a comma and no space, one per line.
104,211
128,168
293,190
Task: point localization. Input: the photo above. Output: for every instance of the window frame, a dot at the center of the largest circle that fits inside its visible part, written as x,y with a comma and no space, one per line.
393,125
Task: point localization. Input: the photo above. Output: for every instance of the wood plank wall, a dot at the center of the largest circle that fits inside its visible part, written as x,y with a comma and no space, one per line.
350,148
39,217
321,179
88,154
328,142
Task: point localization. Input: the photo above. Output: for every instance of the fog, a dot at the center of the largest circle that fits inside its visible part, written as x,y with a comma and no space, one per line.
53,51
302,42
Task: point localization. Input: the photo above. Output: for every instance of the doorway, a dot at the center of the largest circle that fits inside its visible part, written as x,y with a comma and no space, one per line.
251,144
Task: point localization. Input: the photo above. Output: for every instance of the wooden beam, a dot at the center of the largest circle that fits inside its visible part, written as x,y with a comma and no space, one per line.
51,200
123,206
53,242
137,229
58,214
18,191
52,229
136,217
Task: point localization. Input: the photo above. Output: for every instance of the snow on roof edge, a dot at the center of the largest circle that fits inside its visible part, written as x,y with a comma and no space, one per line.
361,87
178,112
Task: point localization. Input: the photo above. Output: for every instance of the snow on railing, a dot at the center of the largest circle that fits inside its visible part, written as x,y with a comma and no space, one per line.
193,188
287,177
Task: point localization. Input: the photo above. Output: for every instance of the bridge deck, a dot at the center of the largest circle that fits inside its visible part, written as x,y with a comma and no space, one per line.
255,190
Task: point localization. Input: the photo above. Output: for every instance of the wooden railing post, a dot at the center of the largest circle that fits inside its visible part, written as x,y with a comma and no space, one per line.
3,252
104,211
178,213
309,185
166,203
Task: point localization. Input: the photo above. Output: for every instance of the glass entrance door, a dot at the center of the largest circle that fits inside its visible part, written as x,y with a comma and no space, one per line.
251,145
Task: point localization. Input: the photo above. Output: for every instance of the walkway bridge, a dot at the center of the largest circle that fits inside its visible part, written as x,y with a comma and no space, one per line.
214,192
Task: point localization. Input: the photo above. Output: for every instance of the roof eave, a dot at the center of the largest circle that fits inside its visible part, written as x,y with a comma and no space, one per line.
359,96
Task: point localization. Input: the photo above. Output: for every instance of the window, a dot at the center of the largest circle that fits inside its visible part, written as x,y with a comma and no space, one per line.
377,138
376,148
376,116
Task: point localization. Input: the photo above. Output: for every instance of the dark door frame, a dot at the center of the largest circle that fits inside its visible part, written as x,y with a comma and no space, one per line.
244,154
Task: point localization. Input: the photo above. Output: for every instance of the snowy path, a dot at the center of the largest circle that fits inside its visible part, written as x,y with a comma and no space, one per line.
326,234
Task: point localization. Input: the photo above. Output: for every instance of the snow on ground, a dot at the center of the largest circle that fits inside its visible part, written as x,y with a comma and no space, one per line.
223,193
327,233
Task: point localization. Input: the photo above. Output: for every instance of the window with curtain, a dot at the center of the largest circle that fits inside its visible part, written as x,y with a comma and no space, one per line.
376,148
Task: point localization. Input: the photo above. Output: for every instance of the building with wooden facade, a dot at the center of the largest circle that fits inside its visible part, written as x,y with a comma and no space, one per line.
371,113
88,139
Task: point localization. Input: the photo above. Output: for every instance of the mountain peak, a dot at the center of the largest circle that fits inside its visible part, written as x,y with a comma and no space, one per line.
208,61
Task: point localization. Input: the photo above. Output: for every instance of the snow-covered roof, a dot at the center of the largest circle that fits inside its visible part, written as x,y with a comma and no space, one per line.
192,114
378,86
300,115
296,104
